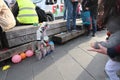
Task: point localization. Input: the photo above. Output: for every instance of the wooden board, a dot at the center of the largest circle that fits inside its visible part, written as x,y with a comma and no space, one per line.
27,33
66,36
22,38
10,52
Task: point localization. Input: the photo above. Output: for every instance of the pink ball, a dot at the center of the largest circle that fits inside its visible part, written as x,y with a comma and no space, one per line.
16,58
29,53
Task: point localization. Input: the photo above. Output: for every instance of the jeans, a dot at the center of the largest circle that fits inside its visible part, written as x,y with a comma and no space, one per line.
94,25
74,14
65,5
69,9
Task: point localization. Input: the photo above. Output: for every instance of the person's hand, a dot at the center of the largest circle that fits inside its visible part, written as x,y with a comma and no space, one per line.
87,8
101,49
92,45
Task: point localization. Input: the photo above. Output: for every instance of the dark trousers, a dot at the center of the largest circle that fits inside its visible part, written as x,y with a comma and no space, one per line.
87,29
3,40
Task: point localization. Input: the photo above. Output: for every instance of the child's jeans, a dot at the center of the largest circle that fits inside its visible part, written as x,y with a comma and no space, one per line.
111,69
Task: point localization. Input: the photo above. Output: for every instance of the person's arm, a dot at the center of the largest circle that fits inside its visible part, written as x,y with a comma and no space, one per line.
15,9
113,40
111,52
102,49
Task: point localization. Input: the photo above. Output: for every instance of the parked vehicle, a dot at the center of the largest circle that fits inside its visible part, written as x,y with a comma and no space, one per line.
53,8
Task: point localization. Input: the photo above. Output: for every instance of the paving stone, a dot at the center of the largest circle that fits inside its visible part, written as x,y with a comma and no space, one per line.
70,69
21,71
46,70
3,74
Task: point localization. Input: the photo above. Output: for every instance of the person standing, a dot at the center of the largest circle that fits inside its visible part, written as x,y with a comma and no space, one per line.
93,6
86,21
86,16
65,5
71,12
68,13
74,14
110,18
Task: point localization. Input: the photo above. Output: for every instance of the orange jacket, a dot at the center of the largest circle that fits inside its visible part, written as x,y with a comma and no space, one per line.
7,20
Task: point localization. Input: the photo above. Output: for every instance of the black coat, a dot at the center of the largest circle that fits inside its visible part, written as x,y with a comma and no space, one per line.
92,5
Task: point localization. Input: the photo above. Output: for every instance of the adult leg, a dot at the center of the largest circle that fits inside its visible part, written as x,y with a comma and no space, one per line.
111,69
74,14
94,26
69,14
65,5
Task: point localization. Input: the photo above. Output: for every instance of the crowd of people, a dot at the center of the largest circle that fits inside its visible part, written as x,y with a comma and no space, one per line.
107,15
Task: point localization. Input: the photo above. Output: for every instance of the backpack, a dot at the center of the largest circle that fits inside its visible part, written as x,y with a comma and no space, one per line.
85,15
41,14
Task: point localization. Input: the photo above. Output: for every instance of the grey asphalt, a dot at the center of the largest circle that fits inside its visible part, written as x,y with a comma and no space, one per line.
69,61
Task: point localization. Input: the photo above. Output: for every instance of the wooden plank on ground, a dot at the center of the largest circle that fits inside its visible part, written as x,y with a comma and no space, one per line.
64,37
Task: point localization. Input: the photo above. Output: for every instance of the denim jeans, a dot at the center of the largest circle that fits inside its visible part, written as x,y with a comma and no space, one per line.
71,13
94,25
65,5
69,9
74,14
